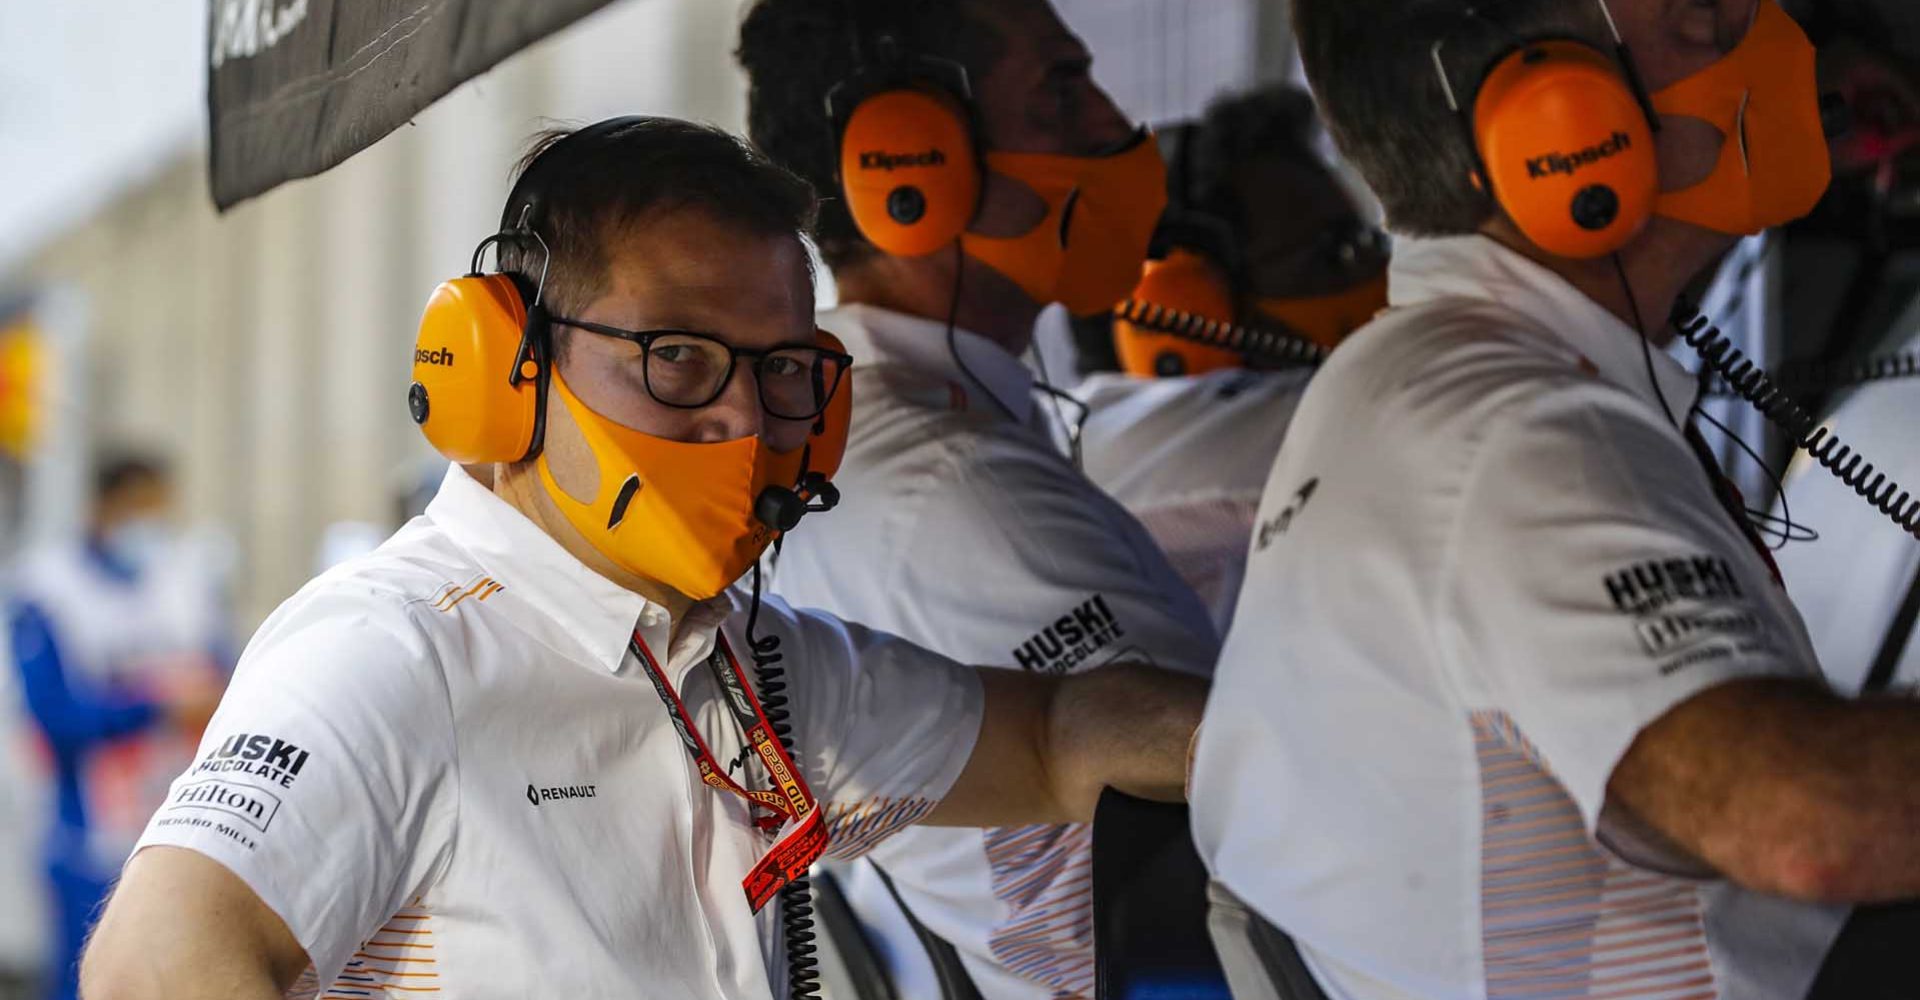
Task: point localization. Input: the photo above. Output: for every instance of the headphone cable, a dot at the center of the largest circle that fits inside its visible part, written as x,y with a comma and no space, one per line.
1782,527
953,343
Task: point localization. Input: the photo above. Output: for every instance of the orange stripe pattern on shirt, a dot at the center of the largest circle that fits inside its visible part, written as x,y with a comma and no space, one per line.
1044,875
1557,917
397,961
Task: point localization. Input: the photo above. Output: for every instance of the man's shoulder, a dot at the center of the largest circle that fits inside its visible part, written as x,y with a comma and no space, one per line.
373,612
1446,369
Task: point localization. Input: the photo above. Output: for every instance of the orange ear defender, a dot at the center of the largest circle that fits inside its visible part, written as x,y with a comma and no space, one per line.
1562,135
909,165
475,395
1187,281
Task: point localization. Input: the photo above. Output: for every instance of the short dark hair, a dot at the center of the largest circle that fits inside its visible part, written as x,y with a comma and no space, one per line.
601,185
1275,120
795,51
121,470
1371,67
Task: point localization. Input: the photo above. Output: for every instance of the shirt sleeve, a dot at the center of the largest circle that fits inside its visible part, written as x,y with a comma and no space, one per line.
884,727
1594,582
326,779
1019,561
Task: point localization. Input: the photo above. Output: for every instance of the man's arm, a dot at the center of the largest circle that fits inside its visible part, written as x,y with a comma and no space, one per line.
1049,745
1785,788
182,925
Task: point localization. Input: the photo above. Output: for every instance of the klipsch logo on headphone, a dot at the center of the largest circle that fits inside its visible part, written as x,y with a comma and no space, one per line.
437,356
1571,163
879,160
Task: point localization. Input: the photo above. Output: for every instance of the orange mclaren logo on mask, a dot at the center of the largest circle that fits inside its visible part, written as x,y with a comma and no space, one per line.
875,159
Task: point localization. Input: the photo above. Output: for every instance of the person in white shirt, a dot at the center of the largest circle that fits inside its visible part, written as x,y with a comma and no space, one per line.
965,528
460,764
1515,703
1856,584
1260,233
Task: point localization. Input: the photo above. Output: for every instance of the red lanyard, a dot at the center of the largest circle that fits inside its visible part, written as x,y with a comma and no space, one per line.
791,804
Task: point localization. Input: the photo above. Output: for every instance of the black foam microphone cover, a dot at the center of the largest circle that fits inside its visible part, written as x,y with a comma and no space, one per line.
779,508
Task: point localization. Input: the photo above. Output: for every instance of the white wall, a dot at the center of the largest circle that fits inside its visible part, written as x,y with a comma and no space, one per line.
266,349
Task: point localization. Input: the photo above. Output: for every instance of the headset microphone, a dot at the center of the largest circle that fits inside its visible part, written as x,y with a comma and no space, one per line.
781,508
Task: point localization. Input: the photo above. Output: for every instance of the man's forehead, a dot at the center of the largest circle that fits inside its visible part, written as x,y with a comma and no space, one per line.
717,278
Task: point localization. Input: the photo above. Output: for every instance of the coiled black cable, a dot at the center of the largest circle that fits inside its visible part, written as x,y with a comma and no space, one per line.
1748,381
1275,347
796,900
1814,376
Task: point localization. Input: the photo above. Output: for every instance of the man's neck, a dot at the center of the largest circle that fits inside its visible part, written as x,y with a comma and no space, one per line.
1642,282
989,304
519,485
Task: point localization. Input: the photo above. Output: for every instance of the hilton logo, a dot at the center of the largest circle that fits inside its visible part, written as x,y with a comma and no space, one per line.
255,807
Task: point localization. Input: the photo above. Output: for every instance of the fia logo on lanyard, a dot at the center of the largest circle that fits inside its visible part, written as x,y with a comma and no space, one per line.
788,810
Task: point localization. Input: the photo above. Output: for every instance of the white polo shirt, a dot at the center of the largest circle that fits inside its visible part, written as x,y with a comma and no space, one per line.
1486,561
440,766
1189,457
964,529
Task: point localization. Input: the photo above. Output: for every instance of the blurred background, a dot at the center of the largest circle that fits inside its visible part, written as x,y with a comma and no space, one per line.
216,402
261,355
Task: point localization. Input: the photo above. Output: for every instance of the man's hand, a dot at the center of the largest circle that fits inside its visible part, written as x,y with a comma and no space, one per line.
1784,788
1048,746
181,925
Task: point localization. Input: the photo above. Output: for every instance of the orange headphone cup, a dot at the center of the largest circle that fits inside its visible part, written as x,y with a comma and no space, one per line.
1567,148
909,170
1188,281
464,396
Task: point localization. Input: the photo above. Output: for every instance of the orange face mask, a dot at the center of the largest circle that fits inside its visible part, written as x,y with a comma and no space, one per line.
678,513
1327,319
1763,97
1109,206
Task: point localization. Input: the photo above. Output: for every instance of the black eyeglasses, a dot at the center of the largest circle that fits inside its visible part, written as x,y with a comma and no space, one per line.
687,370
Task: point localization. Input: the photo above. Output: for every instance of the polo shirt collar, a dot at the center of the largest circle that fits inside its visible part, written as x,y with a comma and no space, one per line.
1426,270
877,336
554,592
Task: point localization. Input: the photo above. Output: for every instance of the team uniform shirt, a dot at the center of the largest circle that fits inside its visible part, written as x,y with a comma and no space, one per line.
1851,583
964,529
1189,458
1485,562
442,767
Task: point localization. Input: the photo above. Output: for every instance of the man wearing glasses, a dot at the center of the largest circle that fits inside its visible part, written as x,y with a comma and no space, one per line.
965,527
527,747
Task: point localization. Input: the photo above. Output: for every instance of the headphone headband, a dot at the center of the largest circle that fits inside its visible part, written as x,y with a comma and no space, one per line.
525,202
